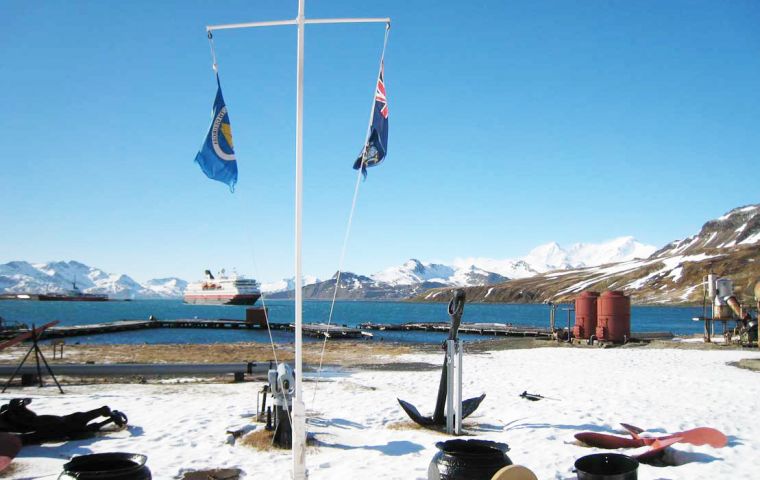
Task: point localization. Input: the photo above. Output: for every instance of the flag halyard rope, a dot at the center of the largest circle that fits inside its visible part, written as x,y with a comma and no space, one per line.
348,232
337,283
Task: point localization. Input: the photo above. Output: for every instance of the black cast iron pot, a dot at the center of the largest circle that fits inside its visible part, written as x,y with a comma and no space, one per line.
110,466
468,460
607,466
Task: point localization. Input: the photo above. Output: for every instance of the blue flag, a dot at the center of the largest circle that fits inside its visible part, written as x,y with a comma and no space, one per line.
217,156
377,144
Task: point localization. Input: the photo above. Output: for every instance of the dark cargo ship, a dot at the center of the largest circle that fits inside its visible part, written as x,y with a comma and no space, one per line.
73,295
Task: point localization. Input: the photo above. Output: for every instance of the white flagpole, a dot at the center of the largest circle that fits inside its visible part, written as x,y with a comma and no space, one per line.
299,409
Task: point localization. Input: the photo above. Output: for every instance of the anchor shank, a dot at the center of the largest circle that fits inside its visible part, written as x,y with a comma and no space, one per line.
456,309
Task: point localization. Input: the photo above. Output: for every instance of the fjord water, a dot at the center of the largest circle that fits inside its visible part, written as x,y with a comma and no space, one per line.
350,313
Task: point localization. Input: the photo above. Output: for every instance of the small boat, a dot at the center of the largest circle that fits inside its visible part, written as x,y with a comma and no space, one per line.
73,295
234,290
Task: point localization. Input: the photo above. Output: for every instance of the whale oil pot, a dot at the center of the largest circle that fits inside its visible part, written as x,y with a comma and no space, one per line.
613,317
585,314
468,460
107,466
607,466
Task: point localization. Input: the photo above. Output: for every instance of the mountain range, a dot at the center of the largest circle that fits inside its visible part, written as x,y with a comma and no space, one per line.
406,280
58,277
414,277
726,246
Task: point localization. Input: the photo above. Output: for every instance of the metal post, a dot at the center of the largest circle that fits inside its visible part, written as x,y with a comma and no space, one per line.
299,409
450,352
453,387
458,389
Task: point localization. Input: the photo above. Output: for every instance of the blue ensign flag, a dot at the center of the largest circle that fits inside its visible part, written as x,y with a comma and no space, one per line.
377,144
217,156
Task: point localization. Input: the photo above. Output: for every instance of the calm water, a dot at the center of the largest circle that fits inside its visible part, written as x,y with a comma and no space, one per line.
673,319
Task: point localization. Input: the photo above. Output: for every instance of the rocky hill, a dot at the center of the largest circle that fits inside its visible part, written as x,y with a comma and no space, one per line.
727,246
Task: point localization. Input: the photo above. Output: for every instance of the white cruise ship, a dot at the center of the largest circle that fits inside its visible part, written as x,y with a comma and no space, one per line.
225,290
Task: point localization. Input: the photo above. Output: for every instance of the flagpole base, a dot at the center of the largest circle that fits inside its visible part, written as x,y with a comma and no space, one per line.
299,440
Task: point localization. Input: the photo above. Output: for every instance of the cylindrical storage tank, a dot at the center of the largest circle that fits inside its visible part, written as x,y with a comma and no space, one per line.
585,314
613,317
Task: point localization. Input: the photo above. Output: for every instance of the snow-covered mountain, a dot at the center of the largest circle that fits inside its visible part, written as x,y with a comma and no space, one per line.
408,279
737,228
414,277
58,277
414,272
726,246
171,287
287,284
551,256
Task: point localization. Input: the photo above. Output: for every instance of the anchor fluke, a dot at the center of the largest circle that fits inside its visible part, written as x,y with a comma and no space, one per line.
468,407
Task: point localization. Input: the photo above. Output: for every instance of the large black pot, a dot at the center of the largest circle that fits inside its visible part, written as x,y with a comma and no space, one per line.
468,460
607,466
110,466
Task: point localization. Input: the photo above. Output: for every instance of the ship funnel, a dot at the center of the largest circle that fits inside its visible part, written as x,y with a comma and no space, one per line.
208,275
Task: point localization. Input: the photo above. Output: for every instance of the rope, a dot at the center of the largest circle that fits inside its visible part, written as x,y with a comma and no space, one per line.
348,228
215,67
337,283
263,297
213,52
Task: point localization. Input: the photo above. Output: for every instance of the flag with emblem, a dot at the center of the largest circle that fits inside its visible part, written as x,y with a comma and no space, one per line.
217,156
377,142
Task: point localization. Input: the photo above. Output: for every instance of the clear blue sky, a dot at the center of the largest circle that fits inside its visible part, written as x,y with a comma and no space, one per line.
512,123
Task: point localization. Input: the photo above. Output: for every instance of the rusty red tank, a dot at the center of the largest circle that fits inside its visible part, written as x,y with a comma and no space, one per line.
613,317
585,314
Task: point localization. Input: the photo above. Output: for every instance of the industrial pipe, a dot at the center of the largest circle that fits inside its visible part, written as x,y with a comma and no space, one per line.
126,369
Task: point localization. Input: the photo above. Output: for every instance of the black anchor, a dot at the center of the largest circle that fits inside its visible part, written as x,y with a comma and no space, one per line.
456,309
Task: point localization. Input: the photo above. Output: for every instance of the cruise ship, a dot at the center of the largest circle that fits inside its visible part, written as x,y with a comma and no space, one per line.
234,290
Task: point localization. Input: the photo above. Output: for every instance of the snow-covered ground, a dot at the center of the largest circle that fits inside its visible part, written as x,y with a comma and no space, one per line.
355,417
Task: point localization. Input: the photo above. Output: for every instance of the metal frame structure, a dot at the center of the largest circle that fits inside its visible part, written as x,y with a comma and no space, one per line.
299,409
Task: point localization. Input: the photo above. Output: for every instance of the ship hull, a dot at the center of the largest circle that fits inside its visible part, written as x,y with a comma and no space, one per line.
220,299
66,298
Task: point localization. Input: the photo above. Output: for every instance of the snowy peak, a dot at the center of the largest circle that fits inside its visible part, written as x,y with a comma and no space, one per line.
475,276
547,257
553,257
171,287
286,284
413,271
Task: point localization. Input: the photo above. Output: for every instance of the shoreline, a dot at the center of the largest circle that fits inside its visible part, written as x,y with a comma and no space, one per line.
338,354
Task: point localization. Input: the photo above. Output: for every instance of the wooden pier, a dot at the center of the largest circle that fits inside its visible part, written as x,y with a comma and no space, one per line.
312,329
496,329
322,330
317,330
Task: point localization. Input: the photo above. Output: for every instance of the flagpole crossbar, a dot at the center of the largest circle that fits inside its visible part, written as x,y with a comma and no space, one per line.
277,23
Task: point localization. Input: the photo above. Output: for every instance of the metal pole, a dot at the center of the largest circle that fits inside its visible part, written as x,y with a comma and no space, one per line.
299,409
458,390
450,364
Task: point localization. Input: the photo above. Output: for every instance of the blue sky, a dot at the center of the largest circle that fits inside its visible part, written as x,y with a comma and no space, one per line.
512,123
